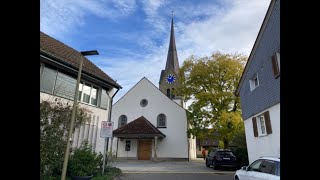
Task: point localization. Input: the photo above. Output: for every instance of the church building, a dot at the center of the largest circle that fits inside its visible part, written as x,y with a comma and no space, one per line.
150,123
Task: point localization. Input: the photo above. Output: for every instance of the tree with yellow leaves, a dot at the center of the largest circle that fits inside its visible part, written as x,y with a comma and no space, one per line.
209,84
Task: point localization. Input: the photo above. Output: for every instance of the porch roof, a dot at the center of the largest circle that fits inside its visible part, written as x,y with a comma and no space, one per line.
140,128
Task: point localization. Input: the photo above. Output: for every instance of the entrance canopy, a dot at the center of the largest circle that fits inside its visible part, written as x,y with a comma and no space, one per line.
140,128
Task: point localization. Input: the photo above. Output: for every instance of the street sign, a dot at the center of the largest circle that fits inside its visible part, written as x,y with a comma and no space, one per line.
106,129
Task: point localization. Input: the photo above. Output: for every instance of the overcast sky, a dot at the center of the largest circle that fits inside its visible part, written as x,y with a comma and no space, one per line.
132,36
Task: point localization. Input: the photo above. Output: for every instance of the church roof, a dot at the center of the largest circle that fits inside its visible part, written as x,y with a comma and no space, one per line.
139,128
172,58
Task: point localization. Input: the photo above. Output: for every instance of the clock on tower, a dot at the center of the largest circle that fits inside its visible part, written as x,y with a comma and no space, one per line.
170,78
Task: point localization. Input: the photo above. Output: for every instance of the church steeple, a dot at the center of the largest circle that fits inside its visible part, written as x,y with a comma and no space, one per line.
169,80
172,58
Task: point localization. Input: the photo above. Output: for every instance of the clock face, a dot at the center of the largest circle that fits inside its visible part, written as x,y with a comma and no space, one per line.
170,78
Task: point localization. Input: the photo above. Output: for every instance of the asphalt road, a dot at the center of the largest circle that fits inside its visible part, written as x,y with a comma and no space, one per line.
175,176
170,170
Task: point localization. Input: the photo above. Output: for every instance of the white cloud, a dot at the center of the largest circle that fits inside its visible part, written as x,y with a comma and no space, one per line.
58,17
127,72
151,9
231,29
229,26
125,6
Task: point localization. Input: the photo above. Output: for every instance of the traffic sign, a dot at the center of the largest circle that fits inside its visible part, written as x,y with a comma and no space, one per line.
106,129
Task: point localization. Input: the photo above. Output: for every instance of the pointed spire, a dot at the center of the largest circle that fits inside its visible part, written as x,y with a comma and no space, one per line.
172,58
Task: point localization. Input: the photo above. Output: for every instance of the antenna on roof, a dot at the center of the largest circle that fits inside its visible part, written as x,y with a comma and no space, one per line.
172,13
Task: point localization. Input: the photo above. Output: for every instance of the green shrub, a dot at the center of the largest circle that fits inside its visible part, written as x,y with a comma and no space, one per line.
84,161
54,124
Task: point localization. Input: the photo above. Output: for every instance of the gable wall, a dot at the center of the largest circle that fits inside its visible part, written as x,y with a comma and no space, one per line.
175,144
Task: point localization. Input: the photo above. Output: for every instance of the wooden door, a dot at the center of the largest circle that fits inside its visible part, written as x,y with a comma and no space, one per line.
144,152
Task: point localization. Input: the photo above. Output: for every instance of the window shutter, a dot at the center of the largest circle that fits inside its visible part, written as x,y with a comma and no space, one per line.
275,66
268,122
255,130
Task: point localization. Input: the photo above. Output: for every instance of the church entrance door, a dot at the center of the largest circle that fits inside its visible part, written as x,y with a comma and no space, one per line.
144,150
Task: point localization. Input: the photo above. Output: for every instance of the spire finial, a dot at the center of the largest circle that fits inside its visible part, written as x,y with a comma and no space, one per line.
172,13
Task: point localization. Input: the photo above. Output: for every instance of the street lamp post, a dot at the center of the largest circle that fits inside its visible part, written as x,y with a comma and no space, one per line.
75,100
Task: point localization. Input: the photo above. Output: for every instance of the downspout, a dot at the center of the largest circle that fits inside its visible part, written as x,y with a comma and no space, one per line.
188,139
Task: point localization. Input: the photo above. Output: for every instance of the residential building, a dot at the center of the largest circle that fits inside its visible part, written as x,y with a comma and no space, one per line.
59,65
259,89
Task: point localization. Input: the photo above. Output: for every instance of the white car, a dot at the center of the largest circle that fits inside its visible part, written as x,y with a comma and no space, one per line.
264,168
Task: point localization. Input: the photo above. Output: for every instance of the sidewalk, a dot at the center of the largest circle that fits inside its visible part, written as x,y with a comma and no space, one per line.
194,166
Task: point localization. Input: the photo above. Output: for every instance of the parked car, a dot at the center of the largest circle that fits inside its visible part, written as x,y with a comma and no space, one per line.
221,158
264,168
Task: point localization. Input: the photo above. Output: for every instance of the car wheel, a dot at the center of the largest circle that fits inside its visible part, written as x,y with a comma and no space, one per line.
207,163
236,178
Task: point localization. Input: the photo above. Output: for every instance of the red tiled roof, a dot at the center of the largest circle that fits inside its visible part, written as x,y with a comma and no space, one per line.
139,127
71,56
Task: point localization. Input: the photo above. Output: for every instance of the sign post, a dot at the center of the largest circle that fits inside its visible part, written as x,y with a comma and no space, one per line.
106,132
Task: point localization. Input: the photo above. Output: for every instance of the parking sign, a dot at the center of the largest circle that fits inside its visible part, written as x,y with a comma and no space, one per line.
106,129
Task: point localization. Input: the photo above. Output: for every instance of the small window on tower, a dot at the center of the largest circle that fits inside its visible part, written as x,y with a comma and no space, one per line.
173,92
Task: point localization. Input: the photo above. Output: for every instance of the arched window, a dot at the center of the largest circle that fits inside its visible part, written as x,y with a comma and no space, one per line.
168,93
161,121
122,120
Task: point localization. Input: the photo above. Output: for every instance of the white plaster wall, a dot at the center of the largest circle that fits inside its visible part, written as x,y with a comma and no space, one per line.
268,145
175,144
193,148
100,115
121,148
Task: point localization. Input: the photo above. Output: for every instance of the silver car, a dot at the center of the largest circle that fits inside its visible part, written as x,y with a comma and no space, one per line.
264,168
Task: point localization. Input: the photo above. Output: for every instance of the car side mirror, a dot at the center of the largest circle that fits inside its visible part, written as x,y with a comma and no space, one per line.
244,168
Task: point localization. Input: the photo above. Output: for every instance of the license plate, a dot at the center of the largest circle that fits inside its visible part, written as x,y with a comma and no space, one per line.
226,158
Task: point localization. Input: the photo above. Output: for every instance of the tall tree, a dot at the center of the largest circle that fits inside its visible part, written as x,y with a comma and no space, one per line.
209,83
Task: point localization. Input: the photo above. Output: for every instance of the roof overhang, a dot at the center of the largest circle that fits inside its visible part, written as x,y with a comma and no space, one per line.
139,136
54,61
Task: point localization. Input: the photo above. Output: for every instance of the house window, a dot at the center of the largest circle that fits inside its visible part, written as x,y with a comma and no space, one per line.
104,100
276,65
254,82
128,145
88,93
48,80
261,124
94,96
143,102
122,120
65,86
161,121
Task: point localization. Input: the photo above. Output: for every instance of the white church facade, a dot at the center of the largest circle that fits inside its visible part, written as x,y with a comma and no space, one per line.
150,123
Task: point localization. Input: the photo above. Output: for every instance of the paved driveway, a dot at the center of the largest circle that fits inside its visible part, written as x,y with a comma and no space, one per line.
196,166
